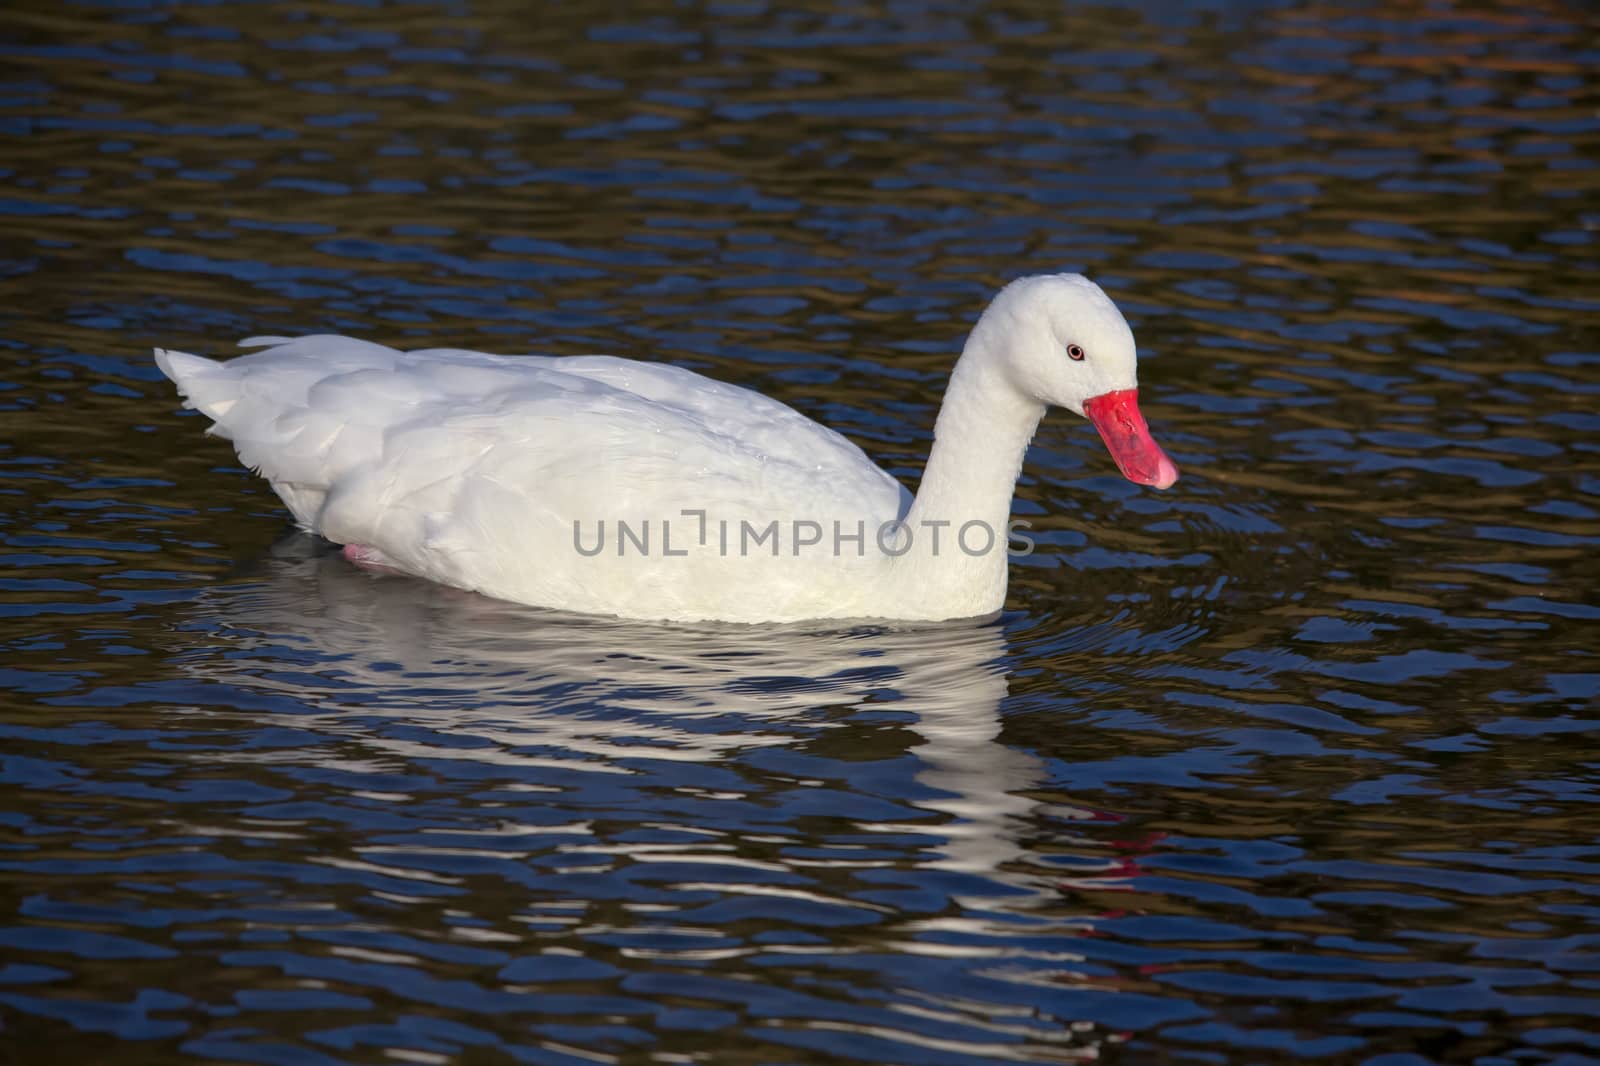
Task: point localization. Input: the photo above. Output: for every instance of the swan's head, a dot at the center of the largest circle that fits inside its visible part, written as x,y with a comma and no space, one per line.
1063,342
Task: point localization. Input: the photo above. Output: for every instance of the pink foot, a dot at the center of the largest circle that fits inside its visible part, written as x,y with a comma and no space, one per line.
368,558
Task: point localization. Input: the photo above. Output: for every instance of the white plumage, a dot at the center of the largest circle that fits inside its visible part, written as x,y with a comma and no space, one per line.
502,474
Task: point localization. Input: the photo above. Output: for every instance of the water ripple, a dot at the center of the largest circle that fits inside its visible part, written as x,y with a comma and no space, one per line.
1288,762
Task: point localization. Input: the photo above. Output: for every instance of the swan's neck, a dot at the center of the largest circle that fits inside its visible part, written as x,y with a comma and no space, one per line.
980,439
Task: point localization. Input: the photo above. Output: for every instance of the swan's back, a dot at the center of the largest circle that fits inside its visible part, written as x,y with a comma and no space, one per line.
473,469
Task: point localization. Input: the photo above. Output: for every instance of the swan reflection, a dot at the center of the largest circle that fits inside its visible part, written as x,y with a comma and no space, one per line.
401,670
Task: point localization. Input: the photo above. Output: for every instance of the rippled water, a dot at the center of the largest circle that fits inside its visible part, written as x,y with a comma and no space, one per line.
1295,760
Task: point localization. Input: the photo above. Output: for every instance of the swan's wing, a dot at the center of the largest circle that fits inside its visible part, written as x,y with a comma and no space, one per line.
518,493
443,449
763,425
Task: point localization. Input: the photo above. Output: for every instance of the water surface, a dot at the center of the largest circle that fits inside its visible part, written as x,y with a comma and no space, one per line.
1296,760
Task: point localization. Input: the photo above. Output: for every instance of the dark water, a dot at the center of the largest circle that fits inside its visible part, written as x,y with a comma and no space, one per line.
1297,760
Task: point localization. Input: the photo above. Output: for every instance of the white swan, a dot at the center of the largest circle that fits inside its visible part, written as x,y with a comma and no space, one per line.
609,486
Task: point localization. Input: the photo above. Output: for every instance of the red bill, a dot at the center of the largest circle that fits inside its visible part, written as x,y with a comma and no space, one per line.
1141,460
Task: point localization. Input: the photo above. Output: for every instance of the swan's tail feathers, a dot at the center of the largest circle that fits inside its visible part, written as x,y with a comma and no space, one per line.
206,385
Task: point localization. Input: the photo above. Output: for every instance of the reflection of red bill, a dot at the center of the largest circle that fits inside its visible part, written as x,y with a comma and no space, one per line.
1116,415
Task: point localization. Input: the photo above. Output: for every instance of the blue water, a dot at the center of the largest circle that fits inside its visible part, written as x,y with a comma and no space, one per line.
1294,761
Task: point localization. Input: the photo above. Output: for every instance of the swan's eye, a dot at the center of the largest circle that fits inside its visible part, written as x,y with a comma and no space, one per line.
1075,353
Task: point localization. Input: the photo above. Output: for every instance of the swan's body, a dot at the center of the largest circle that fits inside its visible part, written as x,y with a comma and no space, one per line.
610,486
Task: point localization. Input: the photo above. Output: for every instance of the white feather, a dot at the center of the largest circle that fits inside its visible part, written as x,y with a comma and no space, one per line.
487,472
